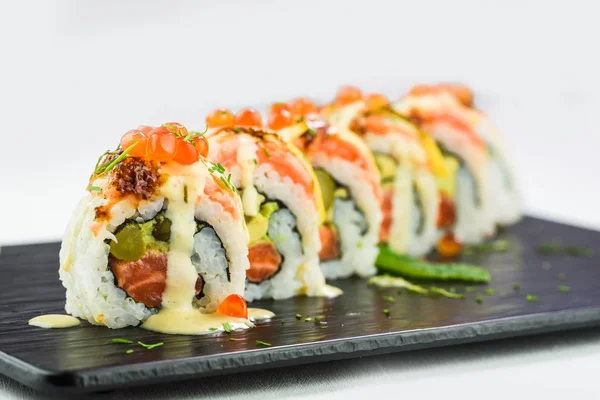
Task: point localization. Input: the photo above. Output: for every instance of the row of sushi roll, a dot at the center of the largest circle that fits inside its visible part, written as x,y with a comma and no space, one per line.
181,228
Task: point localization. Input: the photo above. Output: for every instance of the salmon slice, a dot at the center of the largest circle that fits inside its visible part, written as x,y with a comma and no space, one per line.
144,280
447,212
330,249
386,209
264,261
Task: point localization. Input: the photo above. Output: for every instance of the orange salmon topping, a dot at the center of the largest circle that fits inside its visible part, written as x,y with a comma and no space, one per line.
280,116
235,306
449,246
248,117
375,101
220,118
302,106
348,94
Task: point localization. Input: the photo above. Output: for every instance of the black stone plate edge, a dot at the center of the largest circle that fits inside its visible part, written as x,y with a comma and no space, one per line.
102,379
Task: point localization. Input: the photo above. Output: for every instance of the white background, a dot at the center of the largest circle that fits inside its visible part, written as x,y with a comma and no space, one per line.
75,75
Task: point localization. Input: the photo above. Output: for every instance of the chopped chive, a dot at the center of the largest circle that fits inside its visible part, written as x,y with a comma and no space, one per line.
222,346
324,327
531,297
261,343
318,320
563,288
254,161
150,346
212,329
94,189
298,316
439,291
117,160
516,287
282,321
389,299
308,319
129,351
266,152
227,327
549,248
236,130
185,194
479,299
490,292
386,312
119,340
578,251
232,339
312,132
469,289
249,324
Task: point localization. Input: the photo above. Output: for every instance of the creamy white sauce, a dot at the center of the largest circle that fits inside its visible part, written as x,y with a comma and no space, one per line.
54,321
246,158
259,314
178,315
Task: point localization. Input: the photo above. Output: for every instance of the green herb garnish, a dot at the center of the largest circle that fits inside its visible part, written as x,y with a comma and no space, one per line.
254,161
479,299
312,132
232,339
531,297
119,340
318,320
389,299
261,343
579,251
266,152
386,281
563,288
185,194
308,319
150,346
94,189
129,351
443,292
470,289
283,322
555,248
516,287
103,169
386,312
249,324
324,326
298,316
490,292
212,329
236,130
227,327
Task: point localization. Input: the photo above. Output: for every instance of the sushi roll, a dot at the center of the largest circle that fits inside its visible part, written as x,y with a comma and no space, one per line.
350,187
159,239
407,162
457,100
281,200
469,186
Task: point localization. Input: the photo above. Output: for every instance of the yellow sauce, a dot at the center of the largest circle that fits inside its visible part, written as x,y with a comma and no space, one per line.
54,321
178,315
259,314
246,158
191,322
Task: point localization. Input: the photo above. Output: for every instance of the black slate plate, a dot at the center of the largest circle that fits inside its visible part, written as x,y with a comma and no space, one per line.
84,359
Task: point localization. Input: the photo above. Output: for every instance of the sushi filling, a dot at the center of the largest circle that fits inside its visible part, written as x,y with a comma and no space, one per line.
138,258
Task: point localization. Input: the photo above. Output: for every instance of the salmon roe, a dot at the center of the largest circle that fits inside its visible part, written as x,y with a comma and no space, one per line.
449,246
279,116
169,142
248,117
234,305
376,101
348,94
220,118
302,106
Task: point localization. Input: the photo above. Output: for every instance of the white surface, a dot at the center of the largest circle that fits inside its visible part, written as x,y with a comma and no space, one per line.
76,75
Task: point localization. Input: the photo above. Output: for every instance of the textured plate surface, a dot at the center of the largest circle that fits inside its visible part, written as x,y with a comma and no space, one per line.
84,359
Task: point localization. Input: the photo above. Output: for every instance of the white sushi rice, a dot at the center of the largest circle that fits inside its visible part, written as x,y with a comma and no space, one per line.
300,272
357,220
91,291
